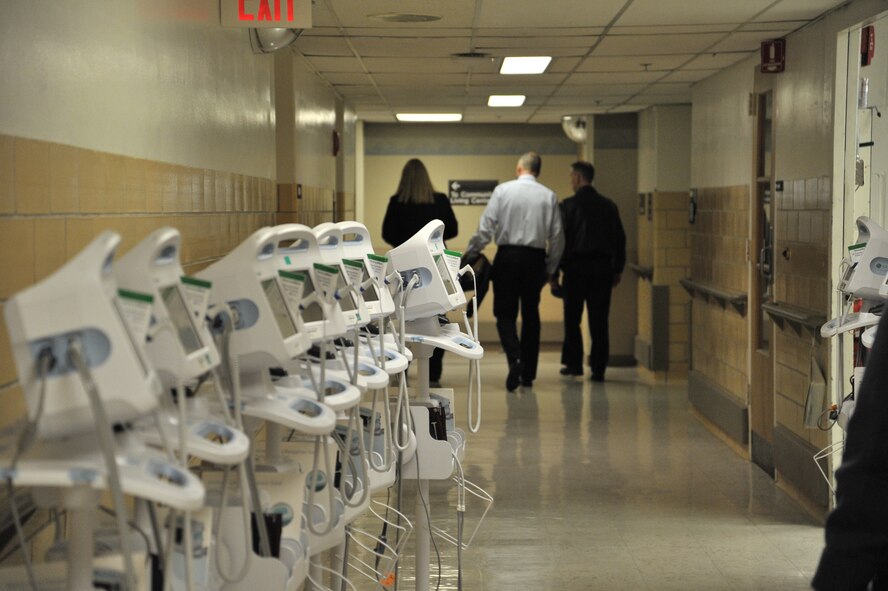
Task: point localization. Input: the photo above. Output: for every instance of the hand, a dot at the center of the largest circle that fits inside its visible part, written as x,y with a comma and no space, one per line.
616,281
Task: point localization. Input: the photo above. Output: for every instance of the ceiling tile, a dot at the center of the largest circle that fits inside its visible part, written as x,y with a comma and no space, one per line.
529,91
444,65
799,9
669,88
519,51
331,46
691,12
518,81
746,41
716,61
656,44
599,90
407,31
356,91
688,75
562,65
335,64
453,13
659,99
627,109
413,103
538,31
346,78
508,13
615,77
586,101
537,43
419,92
634,63
424,80
773,26
672,29
412,46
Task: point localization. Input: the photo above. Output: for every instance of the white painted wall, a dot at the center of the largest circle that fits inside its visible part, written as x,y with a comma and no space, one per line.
664,148
315,120
803,98
721,129
673,147
647,150
160,80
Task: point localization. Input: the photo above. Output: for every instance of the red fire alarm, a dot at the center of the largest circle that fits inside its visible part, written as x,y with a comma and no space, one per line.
773,56
867,45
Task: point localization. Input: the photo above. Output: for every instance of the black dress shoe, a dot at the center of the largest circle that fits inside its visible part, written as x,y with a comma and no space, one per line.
571,371
597,377
514,376
526,383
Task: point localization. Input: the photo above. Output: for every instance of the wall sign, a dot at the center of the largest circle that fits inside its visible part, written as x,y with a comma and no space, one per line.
262,14
471,192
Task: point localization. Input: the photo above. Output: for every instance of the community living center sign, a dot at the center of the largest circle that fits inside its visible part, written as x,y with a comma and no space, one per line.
471,192
289,14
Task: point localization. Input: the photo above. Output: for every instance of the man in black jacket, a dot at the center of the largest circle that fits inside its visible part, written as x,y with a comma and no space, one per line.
593,260
856,553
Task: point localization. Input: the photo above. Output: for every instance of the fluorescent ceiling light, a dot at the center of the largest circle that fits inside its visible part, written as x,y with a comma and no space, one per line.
525,65
428,117
505,100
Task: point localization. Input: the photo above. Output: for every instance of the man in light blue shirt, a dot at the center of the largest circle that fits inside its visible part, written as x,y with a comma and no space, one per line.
523,218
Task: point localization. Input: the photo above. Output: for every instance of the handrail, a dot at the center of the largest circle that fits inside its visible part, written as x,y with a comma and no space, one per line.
724,297
797,317
646,273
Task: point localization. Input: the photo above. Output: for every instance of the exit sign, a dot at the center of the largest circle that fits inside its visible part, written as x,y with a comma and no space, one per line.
259,14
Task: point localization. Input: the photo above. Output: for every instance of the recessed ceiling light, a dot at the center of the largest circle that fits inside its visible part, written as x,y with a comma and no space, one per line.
401,17
525,65
428,117
505,100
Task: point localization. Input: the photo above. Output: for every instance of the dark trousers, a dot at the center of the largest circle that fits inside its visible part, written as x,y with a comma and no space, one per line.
588,283
436,365
519,273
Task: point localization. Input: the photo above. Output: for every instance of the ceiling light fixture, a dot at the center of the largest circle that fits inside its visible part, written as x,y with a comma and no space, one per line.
428,117
505,100
525,65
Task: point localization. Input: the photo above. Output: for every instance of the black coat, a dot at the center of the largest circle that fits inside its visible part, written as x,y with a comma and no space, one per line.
592,230
403,220
857,530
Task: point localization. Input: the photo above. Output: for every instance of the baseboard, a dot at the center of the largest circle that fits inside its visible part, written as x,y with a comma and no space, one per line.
794,461
738,449
719,407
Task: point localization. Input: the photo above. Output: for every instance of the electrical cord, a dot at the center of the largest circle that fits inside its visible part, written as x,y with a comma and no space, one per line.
429,518
45,362
132,524
217,524
106,441
41,528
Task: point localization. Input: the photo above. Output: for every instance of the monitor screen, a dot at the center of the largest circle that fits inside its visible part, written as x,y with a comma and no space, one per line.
370,294
347,301
180,317
313,311
445,274
279,307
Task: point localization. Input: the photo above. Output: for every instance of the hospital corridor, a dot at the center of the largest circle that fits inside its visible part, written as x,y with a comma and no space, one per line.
426,295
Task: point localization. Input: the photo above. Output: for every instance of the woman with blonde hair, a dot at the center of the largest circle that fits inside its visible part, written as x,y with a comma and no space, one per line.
414,205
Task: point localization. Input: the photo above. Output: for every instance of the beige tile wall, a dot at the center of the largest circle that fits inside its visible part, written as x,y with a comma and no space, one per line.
672,260
801,278
718,257
54,199
664,244
316,206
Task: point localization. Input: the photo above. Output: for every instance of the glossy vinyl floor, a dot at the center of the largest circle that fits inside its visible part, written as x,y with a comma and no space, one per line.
610,486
